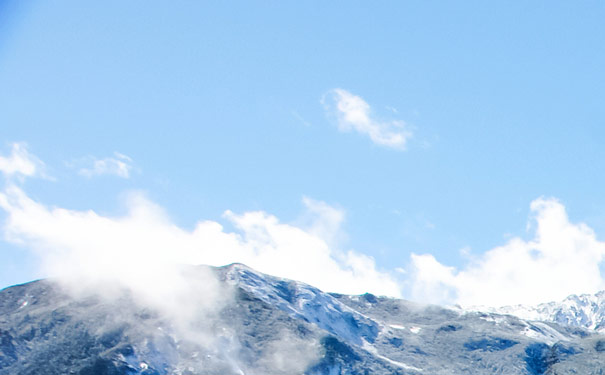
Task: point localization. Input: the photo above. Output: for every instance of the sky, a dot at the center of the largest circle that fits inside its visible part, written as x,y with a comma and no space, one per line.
444,153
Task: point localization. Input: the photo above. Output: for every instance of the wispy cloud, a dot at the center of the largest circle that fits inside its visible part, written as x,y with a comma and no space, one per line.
21,163
355,114
563,258
300,118
120,165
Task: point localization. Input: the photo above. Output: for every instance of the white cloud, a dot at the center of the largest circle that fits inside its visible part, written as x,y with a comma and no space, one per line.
135,247
563,258
353,113
120,165
20,163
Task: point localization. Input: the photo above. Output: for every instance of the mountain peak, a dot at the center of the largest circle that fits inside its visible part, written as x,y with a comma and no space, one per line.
584,310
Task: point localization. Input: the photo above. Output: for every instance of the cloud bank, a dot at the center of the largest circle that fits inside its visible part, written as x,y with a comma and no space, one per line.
355,114
562,258
134,248
143,248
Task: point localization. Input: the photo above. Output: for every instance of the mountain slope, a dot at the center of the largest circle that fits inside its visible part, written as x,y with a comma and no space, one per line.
269,325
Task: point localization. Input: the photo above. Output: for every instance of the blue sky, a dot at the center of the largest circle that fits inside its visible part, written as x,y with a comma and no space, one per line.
213,106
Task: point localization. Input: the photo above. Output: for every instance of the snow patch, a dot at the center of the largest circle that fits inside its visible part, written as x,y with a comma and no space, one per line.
399,364
498,319
372,350
543,332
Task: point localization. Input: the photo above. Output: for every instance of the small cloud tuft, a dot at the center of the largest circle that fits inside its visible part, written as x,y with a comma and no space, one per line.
21,163
120,165
355,114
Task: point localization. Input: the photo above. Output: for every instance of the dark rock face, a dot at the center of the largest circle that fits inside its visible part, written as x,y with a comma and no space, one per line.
8,353
537,358
490,344
336,354
276,326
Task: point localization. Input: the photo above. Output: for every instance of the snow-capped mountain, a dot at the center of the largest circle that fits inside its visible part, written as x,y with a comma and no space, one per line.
586,310
268,325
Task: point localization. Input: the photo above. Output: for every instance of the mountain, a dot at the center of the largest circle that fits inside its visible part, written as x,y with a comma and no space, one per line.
266,325
586,310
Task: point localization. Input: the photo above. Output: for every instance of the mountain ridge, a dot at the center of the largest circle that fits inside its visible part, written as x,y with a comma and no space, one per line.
271,325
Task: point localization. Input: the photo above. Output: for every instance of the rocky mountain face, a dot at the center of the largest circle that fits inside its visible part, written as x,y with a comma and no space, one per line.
267,325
